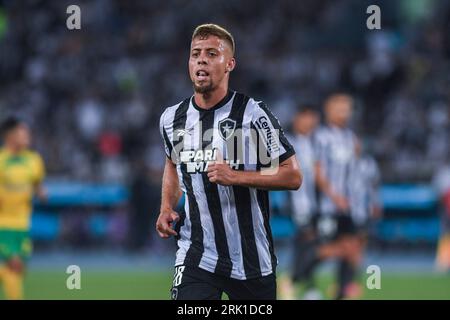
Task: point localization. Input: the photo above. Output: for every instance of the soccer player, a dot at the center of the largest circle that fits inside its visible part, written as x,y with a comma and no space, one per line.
364,201
364,196
441,183
304,207
224,150
21,174
335,152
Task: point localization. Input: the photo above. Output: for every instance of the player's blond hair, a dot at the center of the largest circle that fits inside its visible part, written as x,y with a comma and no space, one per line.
208,29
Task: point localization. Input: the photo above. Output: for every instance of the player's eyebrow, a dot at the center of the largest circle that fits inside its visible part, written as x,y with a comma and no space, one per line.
207,49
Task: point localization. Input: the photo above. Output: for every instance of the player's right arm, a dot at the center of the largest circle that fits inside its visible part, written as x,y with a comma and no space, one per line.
171,194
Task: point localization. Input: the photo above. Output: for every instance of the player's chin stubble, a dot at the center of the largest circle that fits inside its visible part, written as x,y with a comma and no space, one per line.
203,89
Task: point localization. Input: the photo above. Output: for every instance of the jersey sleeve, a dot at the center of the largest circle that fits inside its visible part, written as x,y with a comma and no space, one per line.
165,137
271,135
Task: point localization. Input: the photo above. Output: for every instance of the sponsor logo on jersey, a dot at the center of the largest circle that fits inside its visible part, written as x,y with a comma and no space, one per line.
269,135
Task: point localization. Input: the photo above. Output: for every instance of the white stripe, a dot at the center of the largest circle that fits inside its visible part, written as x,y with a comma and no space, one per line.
230,221
210,254
262,244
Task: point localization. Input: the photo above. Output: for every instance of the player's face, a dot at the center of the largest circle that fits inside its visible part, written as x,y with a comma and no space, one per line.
210,63
20,137
339,111
305,123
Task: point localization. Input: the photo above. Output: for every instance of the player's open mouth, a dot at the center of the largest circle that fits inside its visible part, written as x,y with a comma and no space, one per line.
201,74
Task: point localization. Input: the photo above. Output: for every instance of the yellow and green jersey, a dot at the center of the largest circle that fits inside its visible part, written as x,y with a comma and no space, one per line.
19,174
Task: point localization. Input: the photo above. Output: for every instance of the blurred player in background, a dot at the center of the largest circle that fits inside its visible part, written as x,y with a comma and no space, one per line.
21,174
365,204
441,182
303,203
335,146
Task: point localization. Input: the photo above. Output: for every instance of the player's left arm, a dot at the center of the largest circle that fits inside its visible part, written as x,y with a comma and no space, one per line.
286,176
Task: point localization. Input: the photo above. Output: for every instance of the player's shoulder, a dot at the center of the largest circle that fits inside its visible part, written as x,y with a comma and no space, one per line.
259,108
168,113
254,104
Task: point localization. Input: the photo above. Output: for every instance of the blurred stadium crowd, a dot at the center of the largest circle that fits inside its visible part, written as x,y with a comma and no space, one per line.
94,96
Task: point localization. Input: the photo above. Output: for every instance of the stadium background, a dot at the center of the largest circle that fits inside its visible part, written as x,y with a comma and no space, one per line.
93,98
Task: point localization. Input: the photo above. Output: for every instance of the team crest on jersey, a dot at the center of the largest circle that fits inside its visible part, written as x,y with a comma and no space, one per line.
226,128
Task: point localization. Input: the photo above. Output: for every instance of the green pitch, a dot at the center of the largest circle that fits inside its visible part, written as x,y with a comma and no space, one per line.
153,285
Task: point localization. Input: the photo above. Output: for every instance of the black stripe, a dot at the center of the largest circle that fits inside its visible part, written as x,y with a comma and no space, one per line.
235,143
180,223
196,249
167,142
224,264
242,197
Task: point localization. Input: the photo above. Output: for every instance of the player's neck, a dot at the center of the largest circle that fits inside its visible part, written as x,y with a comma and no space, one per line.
337,125
303,132
12,148
210,99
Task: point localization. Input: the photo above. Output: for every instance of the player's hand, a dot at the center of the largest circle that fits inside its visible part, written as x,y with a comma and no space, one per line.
15,264
41,193
165,223
220,172
341,203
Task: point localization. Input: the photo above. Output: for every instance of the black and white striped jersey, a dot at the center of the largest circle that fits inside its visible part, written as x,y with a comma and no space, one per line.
303,200
225,229
335,151
364,184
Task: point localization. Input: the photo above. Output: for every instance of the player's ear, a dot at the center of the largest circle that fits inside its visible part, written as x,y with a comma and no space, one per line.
230,65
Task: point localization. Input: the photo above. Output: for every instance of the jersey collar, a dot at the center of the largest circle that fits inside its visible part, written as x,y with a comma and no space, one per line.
221,103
